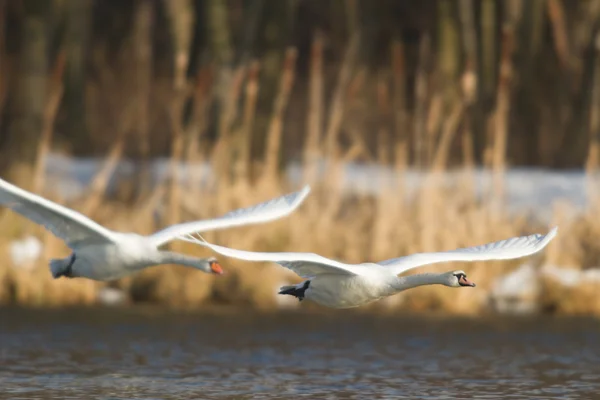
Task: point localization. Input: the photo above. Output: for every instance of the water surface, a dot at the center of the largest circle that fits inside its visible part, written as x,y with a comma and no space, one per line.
144,354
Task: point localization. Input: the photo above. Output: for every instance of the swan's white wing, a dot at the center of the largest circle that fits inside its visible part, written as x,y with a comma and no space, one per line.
67,224
263,212
306,265
507,249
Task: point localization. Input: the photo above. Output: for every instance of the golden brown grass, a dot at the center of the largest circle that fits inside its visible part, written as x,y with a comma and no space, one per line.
437,220
353,228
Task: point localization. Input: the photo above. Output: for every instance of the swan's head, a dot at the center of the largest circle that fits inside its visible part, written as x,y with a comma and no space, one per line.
214,266
458,279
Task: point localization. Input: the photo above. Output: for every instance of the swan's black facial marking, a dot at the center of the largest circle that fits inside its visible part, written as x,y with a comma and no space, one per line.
462,280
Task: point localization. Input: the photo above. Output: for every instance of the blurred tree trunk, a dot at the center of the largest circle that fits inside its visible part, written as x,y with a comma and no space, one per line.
220,44
181,23
276,32
142,59
76,40
28,91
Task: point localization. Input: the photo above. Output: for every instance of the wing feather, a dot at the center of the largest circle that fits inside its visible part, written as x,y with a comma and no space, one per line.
260,213
306,265
507,249
66,224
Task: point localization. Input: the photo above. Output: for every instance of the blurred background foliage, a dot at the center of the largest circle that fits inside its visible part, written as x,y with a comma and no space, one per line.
121,92
523,72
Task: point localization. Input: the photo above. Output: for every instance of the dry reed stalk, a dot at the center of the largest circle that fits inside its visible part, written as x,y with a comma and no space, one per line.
286,82
334,164
202,98
99,183
556,14
400,163
469,94
336,109
244,168
3,59
469,83
488,45
383,134
197,125
181,20
181,16
468,179
399,96
175,161
501,116
358,147
221,154
593,158
55,91
469,33
582,33
430,198
420,94
401,126
440,159
383,220
312,151
146,208
432,126
141,46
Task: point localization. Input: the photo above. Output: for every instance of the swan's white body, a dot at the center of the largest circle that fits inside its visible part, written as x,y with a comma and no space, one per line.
102,254
338,285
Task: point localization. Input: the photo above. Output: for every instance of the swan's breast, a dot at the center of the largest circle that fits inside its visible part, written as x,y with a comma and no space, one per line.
345,291
111,261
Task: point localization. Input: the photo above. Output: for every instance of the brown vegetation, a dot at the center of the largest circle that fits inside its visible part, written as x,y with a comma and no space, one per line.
456,96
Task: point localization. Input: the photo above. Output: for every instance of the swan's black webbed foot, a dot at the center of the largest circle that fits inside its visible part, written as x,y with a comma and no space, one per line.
67,272
297,292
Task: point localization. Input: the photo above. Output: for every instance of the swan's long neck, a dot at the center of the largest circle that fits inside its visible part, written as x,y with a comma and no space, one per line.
411,281
169,257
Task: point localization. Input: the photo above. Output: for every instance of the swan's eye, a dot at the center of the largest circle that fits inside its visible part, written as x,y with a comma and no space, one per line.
460,276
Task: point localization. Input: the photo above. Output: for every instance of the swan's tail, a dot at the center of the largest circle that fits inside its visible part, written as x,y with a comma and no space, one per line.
295,290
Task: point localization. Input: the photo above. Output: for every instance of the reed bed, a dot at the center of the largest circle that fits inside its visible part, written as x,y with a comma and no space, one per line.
371,117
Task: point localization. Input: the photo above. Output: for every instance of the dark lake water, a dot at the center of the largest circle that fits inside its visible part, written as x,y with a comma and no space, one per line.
145,354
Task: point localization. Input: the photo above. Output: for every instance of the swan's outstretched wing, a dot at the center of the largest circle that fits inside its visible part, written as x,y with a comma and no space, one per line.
263,212
67,224
306,265
507,249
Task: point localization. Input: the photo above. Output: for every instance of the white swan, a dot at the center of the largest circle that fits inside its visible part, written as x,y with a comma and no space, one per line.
102,254
338,285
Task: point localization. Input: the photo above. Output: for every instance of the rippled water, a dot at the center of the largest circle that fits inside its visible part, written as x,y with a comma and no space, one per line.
129,354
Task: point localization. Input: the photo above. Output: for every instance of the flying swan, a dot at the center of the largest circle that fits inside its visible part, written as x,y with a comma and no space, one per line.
334,284
101,254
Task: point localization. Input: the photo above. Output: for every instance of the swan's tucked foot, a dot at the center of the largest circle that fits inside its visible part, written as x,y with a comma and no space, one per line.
62,267
296,290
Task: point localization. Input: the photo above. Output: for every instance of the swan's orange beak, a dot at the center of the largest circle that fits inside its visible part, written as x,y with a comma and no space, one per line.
463,281
216,268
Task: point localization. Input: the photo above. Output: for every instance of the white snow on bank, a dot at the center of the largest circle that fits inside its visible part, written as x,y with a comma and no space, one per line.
527,189
24,252
571,277
517,292
109,296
